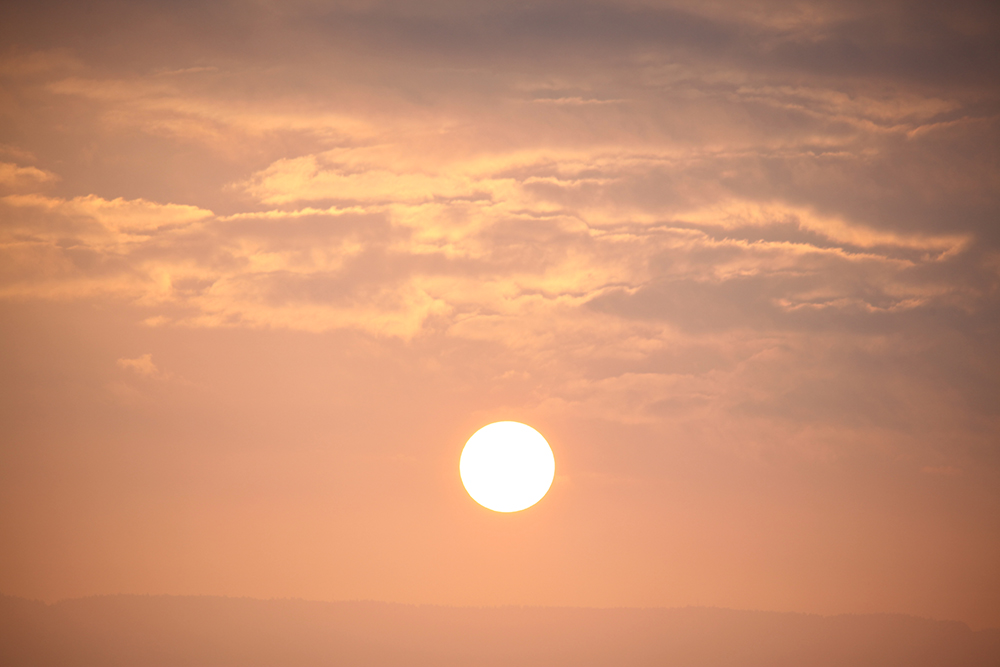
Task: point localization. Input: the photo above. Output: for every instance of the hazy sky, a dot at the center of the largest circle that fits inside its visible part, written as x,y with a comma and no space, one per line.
265,266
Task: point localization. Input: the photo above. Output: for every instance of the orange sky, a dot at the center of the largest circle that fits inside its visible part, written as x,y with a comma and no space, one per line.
265,266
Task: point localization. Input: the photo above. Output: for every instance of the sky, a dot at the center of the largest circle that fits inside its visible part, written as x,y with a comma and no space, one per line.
266,266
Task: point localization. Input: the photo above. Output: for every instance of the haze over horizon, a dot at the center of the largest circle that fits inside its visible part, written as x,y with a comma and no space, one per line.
266,266
168,630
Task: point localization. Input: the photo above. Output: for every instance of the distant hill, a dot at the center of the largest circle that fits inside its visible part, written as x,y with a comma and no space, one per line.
165,631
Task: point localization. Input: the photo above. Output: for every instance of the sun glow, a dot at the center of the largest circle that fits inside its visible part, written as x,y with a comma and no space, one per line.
507,466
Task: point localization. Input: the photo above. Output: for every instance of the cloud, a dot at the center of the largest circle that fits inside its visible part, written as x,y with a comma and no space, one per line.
352,175
183,109
14,177
743,214
59,248
474,244
142,365
119,216
659,204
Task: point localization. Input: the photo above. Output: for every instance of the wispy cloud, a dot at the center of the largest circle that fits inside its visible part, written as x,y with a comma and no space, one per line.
143,365
14,177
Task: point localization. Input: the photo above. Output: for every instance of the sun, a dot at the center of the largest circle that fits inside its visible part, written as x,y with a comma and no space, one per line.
507,466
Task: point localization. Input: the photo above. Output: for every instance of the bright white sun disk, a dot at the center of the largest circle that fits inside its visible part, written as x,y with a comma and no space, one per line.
507,466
